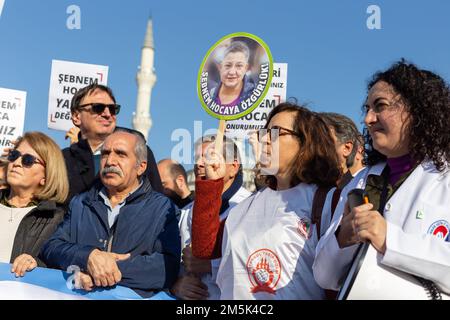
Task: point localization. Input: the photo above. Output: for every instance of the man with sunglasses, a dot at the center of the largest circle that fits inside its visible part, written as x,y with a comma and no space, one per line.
94,111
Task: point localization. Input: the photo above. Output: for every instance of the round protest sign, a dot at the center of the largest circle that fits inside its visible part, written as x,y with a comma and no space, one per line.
235,76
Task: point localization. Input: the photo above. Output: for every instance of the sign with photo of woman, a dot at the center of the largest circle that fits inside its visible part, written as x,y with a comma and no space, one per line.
235,76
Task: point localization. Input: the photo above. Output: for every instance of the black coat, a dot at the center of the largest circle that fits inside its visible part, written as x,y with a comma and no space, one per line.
35,229
81,170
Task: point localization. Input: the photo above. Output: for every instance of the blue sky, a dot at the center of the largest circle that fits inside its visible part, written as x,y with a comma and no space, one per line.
329,50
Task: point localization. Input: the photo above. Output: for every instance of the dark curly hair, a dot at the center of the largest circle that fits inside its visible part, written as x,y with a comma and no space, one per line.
426,97
317,161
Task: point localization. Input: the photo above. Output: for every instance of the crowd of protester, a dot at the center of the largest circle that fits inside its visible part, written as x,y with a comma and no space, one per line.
104,204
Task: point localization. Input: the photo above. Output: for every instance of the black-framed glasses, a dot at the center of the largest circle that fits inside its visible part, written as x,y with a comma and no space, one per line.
27,159
98,108
265,135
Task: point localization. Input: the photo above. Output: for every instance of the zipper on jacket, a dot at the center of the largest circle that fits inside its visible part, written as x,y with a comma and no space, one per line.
112,231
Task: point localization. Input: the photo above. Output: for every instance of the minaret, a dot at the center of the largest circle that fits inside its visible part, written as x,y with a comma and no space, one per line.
146,79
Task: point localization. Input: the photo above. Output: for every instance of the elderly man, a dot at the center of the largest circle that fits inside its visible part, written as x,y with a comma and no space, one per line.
174,181
94,112
120,231
197,280
348,144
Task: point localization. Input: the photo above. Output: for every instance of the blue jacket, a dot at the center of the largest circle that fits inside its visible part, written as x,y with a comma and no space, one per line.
146,228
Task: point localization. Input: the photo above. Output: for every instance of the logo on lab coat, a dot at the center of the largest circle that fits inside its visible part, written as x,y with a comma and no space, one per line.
264,271
304,227
440,229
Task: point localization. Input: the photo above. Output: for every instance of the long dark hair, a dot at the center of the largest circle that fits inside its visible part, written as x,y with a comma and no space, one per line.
317,161
426,97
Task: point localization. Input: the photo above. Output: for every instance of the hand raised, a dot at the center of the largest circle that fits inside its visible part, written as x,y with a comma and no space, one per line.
214,164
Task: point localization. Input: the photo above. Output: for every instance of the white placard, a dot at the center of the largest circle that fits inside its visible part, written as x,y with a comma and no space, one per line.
12,116
2,2
65,80
257,118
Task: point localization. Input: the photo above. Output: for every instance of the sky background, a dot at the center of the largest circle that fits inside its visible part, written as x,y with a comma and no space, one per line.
329,50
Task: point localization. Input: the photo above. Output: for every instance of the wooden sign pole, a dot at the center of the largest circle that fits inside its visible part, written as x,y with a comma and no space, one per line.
218,146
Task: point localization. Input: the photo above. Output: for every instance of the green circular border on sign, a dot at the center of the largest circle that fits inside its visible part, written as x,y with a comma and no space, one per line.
263,95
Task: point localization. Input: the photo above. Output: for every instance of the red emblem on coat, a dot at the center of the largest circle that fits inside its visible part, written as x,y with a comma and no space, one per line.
264,271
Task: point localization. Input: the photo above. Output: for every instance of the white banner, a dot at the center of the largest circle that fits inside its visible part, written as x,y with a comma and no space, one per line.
51,284
12,116
2,2
257,118
65,80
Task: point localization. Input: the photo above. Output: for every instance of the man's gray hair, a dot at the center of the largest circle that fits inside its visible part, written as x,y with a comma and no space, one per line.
345,130
230,150
140,149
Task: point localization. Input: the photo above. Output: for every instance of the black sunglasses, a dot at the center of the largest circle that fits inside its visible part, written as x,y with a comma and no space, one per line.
27,159
98,108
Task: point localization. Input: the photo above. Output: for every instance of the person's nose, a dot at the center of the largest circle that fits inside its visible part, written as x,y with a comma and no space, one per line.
17,162
106,113
265,137
111,160
233,70
266,148
370,118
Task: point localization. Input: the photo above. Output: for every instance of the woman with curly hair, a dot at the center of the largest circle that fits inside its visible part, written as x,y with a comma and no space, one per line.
267,242
407,182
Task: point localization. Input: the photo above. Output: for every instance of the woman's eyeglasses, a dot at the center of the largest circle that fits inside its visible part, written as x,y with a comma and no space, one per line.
265,135
27,159
98,108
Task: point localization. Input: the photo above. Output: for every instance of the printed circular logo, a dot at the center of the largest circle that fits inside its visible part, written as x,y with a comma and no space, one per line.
264,271
440,229
304,227
235,76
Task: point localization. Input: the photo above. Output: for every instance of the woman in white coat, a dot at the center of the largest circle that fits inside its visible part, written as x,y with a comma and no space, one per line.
407,219
267,242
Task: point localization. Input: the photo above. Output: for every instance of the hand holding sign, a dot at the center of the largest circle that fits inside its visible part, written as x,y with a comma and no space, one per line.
214,164
72,134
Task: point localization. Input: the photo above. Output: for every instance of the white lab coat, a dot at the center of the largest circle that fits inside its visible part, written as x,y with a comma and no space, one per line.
185,225
268,247
418,208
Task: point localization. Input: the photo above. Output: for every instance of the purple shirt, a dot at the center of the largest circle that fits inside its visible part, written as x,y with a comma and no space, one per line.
399,166
231,104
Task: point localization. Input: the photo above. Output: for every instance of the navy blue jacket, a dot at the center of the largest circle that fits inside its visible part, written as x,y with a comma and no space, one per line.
146,227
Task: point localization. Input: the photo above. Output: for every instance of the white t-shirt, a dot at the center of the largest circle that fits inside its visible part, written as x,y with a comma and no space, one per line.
269,246
10,219
185,225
